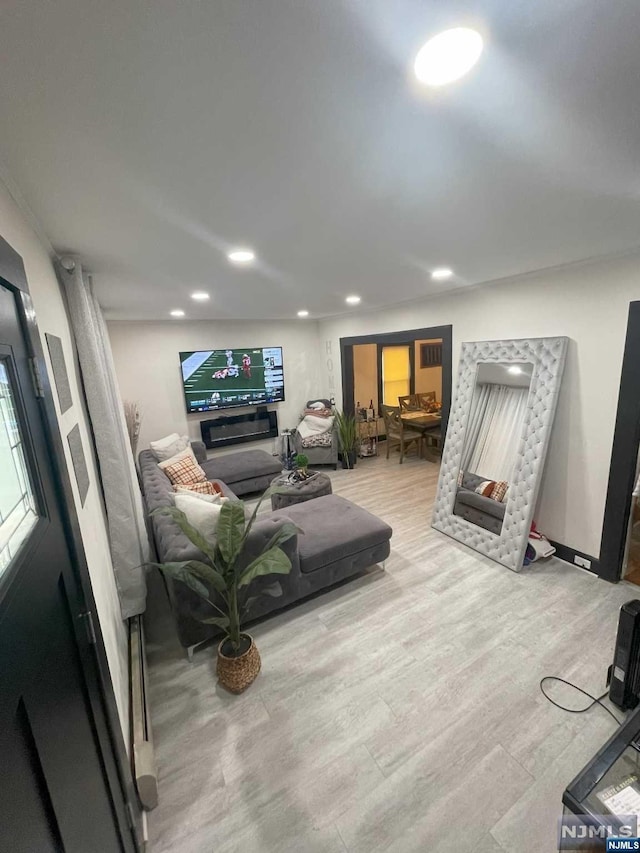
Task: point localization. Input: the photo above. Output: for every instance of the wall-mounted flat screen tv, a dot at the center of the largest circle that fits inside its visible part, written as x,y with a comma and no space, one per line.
224,378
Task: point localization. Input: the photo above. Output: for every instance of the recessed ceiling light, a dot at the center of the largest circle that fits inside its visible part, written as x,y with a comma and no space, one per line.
352,300
241,256
200,296
178,312
303,313
515,370
441,273
448,56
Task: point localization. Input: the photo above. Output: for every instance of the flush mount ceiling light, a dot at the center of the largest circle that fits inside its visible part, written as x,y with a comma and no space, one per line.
177,312
448,56
352,300
200,296
303,313
441,273
241,256
515,370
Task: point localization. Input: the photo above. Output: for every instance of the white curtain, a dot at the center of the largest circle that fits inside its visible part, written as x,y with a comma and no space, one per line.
495,431
123,501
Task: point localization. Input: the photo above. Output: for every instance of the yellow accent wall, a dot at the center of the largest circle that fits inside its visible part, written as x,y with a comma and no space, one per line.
428,378
365,375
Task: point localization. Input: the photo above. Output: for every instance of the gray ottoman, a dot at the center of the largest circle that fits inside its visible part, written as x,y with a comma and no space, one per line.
296,493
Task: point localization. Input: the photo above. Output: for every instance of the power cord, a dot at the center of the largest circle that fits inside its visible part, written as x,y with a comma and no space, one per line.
596,700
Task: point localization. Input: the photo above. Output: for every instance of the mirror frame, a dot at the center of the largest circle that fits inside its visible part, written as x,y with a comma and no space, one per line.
548,357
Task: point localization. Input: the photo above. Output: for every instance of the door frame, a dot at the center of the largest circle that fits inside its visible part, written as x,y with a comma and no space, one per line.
407,336
95,666
624,456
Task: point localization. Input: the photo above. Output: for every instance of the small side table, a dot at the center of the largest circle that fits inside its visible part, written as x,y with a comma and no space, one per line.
315,486
368,436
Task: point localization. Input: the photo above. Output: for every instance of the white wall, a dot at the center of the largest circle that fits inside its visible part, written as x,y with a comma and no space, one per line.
589,304
148,367
52,318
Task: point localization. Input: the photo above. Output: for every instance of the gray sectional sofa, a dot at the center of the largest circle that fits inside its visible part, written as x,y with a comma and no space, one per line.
340,539
485,512
244,473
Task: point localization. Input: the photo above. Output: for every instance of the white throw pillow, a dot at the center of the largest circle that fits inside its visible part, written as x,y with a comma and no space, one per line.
200,514
183,454
169,446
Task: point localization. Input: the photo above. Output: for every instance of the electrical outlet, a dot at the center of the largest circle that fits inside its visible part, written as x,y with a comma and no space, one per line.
582,562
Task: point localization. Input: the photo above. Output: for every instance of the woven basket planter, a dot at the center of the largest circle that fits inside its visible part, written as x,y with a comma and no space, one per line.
237,673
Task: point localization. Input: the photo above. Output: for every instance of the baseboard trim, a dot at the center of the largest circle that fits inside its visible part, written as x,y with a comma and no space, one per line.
567,554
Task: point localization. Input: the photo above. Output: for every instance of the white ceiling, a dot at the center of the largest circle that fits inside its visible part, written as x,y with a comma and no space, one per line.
149,137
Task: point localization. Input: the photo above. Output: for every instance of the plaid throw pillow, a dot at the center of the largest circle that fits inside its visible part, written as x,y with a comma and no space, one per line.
185,472
485,488
499,492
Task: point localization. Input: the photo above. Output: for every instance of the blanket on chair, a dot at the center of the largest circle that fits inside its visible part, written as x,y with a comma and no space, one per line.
311,426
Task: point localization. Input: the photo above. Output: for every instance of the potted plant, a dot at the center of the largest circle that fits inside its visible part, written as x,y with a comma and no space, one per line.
301,464
347,429
222,580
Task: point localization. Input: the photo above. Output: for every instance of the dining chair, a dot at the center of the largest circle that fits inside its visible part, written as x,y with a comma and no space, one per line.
433,444
399,435
408,403
425,398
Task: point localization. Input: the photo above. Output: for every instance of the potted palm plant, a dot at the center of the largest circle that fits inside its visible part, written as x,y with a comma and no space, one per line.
347,429
222,579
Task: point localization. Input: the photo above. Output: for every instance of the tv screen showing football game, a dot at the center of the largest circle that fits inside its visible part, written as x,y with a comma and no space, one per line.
223,378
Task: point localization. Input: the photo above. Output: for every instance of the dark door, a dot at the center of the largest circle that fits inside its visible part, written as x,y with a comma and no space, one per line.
54,791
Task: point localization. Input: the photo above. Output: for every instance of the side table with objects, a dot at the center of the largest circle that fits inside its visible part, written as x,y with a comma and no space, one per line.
368,435
294,490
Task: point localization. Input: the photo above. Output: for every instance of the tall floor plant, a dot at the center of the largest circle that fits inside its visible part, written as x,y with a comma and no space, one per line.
220,578
347,430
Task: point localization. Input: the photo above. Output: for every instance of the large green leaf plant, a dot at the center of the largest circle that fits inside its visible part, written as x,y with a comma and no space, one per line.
223,573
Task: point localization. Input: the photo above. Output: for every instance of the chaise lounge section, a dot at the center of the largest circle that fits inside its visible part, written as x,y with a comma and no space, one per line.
244,473
339,541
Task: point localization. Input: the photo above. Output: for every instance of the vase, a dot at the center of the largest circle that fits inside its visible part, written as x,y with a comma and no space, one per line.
237,672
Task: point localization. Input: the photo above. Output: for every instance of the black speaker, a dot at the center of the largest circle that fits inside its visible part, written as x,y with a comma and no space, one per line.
624,690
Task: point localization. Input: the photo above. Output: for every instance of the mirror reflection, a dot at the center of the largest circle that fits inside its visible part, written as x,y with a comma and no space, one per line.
492,441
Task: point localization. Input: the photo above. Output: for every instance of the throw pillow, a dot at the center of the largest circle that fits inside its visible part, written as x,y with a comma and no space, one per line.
200,514
204,491
499,492
169,446
460,477
183,470
485,488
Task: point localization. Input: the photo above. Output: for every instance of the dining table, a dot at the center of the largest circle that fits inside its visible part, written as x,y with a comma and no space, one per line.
427,425
420,420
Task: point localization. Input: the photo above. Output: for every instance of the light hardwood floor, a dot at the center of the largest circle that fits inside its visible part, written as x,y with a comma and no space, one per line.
398,712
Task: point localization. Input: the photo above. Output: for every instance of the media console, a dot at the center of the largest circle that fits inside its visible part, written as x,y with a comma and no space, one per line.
235,429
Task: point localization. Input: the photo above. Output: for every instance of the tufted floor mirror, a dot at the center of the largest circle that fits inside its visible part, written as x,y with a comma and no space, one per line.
496,445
